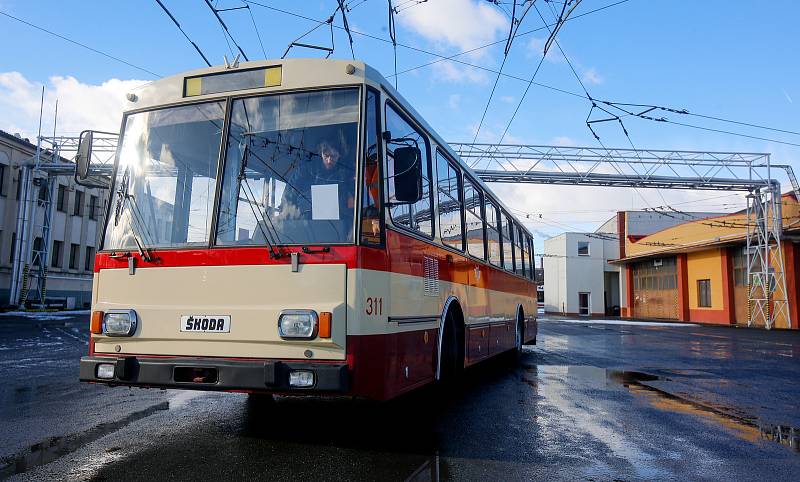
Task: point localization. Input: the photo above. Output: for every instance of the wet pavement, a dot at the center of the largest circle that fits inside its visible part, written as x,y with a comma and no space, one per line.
592,401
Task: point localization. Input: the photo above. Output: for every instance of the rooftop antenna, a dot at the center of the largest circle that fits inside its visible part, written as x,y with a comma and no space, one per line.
232,65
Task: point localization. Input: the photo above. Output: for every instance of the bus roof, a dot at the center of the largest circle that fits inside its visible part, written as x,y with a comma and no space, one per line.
294,74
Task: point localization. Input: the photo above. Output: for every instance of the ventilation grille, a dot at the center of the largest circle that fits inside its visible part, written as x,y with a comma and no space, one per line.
431,286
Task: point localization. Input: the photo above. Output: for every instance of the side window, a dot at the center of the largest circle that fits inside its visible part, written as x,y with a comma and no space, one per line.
506,228
371,189
493,245
532,264
417,216
473,219
521,252
448,186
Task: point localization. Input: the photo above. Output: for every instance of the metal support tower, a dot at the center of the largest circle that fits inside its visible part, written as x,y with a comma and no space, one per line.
53,158
664,169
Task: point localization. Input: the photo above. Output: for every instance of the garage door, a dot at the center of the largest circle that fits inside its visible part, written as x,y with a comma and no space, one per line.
655,289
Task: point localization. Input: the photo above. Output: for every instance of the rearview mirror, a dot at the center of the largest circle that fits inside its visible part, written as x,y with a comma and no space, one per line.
408,174
84,156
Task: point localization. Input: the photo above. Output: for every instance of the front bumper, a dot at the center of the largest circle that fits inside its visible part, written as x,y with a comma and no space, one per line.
255,375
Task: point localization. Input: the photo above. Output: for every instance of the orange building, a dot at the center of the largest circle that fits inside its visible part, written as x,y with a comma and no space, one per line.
697,271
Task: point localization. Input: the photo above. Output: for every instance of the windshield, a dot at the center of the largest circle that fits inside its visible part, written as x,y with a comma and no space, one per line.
163,194
290,169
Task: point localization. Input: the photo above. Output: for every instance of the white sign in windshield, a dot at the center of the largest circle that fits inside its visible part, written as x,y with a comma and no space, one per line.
325,202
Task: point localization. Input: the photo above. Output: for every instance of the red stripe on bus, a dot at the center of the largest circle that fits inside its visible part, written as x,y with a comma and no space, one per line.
403,255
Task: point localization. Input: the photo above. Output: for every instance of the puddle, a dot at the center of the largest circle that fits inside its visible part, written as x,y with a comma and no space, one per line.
749,429
56,447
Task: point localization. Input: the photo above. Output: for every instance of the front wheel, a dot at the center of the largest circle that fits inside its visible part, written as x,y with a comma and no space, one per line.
515,355
451,362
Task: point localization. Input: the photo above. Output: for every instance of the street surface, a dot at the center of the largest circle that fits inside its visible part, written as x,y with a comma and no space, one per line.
593,401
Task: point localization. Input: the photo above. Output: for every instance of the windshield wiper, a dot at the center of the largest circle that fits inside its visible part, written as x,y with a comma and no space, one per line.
122,196
261,222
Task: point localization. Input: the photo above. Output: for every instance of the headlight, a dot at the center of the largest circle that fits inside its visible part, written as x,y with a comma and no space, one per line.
297,324
119,323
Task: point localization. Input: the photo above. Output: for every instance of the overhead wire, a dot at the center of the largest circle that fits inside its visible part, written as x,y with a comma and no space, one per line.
79,44
255,27
514,29
225,28
589,97
175,21
452,57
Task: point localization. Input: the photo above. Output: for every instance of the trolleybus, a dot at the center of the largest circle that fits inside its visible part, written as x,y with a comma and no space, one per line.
295,226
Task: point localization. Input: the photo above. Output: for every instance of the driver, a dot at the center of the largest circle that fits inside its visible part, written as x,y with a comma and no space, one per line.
324,169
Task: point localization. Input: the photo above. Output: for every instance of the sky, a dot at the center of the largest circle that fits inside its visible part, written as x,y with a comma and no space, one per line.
734,60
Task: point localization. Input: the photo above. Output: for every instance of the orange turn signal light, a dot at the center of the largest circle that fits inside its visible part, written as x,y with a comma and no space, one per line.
325,324
96,325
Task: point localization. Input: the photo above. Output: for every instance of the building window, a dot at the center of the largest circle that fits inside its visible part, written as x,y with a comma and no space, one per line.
42,191
74,255
61,203
58,251
13,247
78,208
704,293
88,263
93,208
740,267
448,184
583,248
417,216
3,169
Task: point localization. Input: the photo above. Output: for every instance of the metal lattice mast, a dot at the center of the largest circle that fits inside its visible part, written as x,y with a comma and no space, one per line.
664,169
46,166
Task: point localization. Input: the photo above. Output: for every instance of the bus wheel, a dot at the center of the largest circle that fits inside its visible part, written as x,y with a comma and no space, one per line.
451,362
516,354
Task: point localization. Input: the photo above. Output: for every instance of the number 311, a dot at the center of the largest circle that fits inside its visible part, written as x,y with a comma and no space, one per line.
374,306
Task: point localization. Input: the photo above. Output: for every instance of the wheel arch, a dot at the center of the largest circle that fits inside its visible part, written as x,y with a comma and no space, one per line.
453,304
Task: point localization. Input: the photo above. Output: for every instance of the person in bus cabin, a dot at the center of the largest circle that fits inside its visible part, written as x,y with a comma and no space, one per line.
327,167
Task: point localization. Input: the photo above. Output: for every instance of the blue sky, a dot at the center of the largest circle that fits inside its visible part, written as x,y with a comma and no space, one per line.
731,59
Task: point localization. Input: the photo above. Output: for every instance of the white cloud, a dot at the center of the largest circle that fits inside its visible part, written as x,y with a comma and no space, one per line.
563,141
453,72
464,24
508,99
591,76
80,106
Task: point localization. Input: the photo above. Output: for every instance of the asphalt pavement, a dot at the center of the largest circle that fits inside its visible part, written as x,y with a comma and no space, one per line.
592,401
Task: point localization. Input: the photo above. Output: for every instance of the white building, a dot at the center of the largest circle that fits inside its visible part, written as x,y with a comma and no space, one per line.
578,279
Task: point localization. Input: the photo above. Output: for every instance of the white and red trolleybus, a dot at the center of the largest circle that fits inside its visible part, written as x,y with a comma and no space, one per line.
295,226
